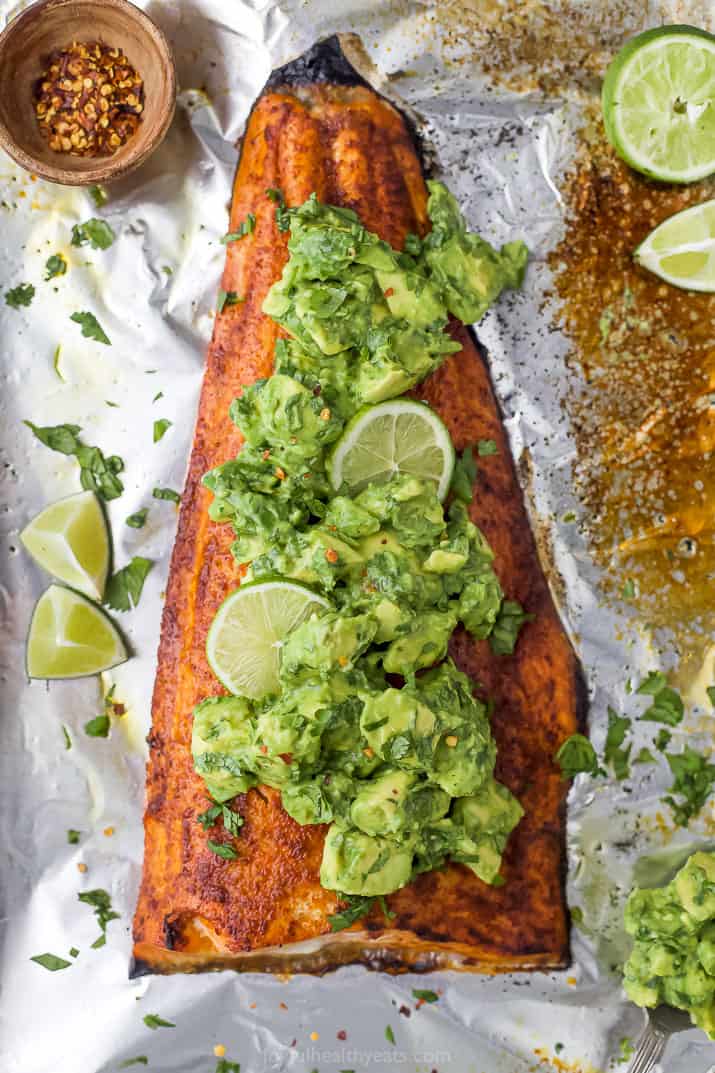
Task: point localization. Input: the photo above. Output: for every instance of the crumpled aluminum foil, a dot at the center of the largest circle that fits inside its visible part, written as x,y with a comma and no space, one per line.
504,154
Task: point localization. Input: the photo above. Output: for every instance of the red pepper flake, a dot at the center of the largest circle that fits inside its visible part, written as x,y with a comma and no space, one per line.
263,749
405,1011
389,292
266,455
331,555
342,1034
283,1005
287,758
280,473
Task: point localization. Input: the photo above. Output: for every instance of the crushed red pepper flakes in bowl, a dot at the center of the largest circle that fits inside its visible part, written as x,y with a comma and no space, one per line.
89,101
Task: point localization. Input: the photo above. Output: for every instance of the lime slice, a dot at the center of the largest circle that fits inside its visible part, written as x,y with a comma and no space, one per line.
70,637
393,437
681,250
659,103
245,639
70,540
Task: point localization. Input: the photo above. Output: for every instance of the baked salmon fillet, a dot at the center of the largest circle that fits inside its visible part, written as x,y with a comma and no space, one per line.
318,127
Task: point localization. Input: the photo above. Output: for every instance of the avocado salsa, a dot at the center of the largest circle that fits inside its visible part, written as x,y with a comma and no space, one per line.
673,957
400,767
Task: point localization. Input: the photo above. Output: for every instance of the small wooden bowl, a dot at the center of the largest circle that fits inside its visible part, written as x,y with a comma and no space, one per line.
25,46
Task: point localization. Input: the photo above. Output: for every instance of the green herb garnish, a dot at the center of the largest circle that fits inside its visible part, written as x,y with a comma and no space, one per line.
464,476
694,777
227,298
511,617
51,962
124,588
73,836
98,727
137,520
222,849
160,428
96,232
55,266
244,228
99,195
357,906
577,756
152,1020
21,295
389,1034
166,493
102,904
614,753
91,328
485,448
425,996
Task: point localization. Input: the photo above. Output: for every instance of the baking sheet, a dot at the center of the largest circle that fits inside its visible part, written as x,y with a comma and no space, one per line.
504,146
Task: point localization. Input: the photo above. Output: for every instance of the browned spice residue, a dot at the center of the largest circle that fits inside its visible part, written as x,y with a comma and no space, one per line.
644,414
89,101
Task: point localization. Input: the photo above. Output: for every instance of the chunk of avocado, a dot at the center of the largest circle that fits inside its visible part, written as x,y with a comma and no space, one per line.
356,863
325,643
222,745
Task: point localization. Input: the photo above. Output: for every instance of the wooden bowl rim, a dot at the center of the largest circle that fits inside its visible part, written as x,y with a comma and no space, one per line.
110,168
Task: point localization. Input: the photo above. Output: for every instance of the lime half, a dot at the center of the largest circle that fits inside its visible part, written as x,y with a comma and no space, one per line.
70,637
69,539
244,642
399,436
659,103
681,250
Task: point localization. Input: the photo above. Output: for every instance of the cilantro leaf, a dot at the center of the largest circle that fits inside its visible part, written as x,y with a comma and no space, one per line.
66,736
136,520
102,904
124,588
224,1066
227,298
152,1020
357,906
577,756
96,232
662,740
222,849
511,617
282,213
51,962
389,1034
710,690
98,727
140,1060
693,781
464,476
485,448
91,328
74,952
99,195
652,684
614,754
244,228
166,493
667,707
645,756
425,996
21,295
55,266
160,428
73,836
209,817
629,589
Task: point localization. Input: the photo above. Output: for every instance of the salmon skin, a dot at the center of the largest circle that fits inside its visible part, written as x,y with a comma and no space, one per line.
319,127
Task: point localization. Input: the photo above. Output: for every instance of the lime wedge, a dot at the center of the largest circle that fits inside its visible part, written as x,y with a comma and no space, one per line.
681,250
70,637
245,639
659,103
70,540
398,436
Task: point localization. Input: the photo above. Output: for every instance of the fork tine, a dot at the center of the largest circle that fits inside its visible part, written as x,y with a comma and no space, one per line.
649,1049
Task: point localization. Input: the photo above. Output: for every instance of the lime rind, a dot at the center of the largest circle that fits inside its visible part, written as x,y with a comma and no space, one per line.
70,637
70,540
245,638
397,436
681,250
659,103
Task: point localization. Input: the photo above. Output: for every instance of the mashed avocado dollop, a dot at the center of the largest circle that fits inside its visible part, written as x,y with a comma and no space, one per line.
401,767
673,957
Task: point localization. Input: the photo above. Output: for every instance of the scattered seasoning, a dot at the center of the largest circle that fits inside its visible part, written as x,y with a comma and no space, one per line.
160,428
219,1050
667,706
166,493
82,867
91,328
89,101
21,295
51,962
137,520
314,1036
114,405
97,233
124,588
451,741
73,836
55,266
244,228
331,555
108,832
152,1020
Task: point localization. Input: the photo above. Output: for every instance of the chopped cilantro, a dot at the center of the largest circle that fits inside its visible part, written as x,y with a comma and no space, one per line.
160,428
73,836
222,849
389,1034
137,520
614,754
99,195
102,904
166,493
224,1066
125,587
511,617
55,266
645,756
232,821
485,448
577,756
464,476
357,906
159,395
693,781
629,589
662,740
413,244
66,736
558,1048
152,1020
652,684
710,690
21,295
73,952
96,232
56,361
227,298
51,962
282,213
425,995
98,727
244,228
667,707
91,328
97,473
577,914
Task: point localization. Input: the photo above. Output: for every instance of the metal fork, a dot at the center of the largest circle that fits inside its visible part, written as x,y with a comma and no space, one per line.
662,1023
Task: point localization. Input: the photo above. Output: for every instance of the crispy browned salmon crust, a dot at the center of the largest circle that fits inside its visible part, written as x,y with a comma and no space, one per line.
266,910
